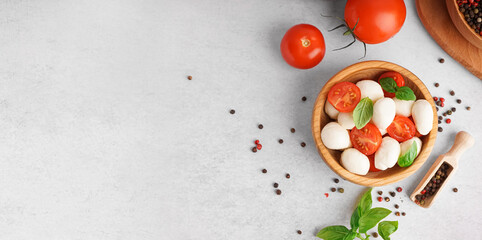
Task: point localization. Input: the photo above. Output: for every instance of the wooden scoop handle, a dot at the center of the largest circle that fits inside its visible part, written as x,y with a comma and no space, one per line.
463,141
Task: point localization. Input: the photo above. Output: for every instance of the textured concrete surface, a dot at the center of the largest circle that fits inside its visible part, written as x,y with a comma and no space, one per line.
103,137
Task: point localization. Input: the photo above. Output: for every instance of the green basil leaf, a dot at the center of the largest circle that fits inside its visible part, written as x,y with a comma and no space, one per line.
354,219
365,202
363,112
337,232
372,217
407,159
386,228
350,236
405,93
388,84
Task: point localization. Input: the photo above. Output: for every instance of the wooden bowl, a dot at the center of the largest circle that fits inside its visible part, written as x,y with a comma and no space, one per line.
462,26
371,70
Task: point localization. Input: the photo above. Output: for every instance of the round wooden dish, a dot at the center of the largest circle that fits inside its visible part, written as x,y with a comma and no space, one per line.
354,73
462,26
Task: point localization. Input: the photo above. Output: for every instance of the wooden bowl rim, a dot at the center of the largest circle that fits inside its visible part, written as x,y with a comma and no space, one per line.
334,164
453,5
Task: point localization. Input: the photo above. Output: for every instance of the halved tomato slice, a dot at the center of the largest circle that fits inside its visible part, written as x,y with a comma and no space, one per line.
367,139
372,164
401,129
398,79
344,96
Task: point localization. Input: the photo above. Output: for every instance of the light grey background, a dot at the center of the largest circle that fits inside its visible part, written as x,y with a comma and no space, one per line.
103,137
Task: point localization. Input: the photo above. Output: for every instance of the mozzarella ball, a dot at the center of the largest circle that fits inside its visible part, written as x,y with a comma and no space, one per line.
383,112
422,114
335,136
403,107
405,146
371,89
387,154
346,120
331,111
383,131
354,161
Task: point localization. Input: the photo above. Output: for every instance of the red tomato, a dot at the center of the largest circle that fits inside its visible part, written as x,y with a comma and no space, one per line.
372,164
401,129
303,46
367,140
378,20
344,96
398,79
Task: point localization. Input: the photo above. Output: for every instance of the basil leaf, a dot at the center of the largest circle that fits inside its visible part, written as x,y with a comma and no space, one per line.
350,236
337,232
388,84
405,93
363,112
372,217
365,202
354,218
407,159
386,228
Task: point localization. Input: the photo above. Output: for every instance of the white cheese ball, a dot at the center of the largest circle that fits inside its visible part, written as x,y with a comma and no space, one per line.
387,154
370,89
403,107
383,113
354,161
407,144
422,114
331,111
346,120
335,136
383,131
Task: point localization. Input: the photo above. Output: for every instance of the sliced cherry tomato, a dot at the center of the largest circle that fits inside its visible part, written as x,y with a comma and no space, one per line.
344,96
401,129
303,46
372,164
367,140
395,76
375,21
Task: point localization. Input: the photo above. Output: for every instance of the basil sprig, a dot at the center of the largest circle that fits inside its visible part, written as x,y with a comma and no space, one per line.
363,112
407,159
402,93
364,218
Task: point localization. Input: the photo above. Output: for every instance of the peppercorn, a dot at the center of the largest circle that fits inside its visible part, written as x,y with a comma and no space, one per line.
299,232
288,175
435,98
303,98
440,118
189,77
399,189
452,92
437,84
336,180
441,60
259,146
303,144
333,189
379,199
280,141
375,235
396,206
260,126
397,214
439,122
341,190
448,121
455,190
459,101
380,192
254,149
392,194
232,111
264,171
278,191
449,112
292,130
256,142
453,109
403,214
387,199
468,108
275,185
440,129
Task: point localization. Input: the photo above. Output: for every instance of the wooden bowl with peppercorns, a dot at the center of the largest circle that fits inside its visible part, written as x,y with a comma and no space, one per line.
371,70
474,13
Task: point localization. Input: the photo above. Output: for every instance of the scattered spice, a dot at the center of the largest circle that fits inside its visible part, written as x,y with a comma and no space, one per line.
341,190
380,192
442,99
449,112
448,121
275,185
444,114
440,129
392,194
455,190
259,146
434,184
403,214
299,232
387,199
260,126
439,122
292,130
441,60
326,194
435,99
399,189
232,111
437,84
303,144
436,108
379,199
459,101
333,189
397,214
303,98
288,175
264,170
453,109
374,234
440,118
278,191
396,206
471,12
280,141
336,180
189,77
452,93
468,108
256,141
254,149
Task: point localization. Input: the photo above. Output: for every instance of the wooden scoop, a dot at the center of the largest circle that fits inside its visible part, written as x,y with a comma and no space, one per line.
463,141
